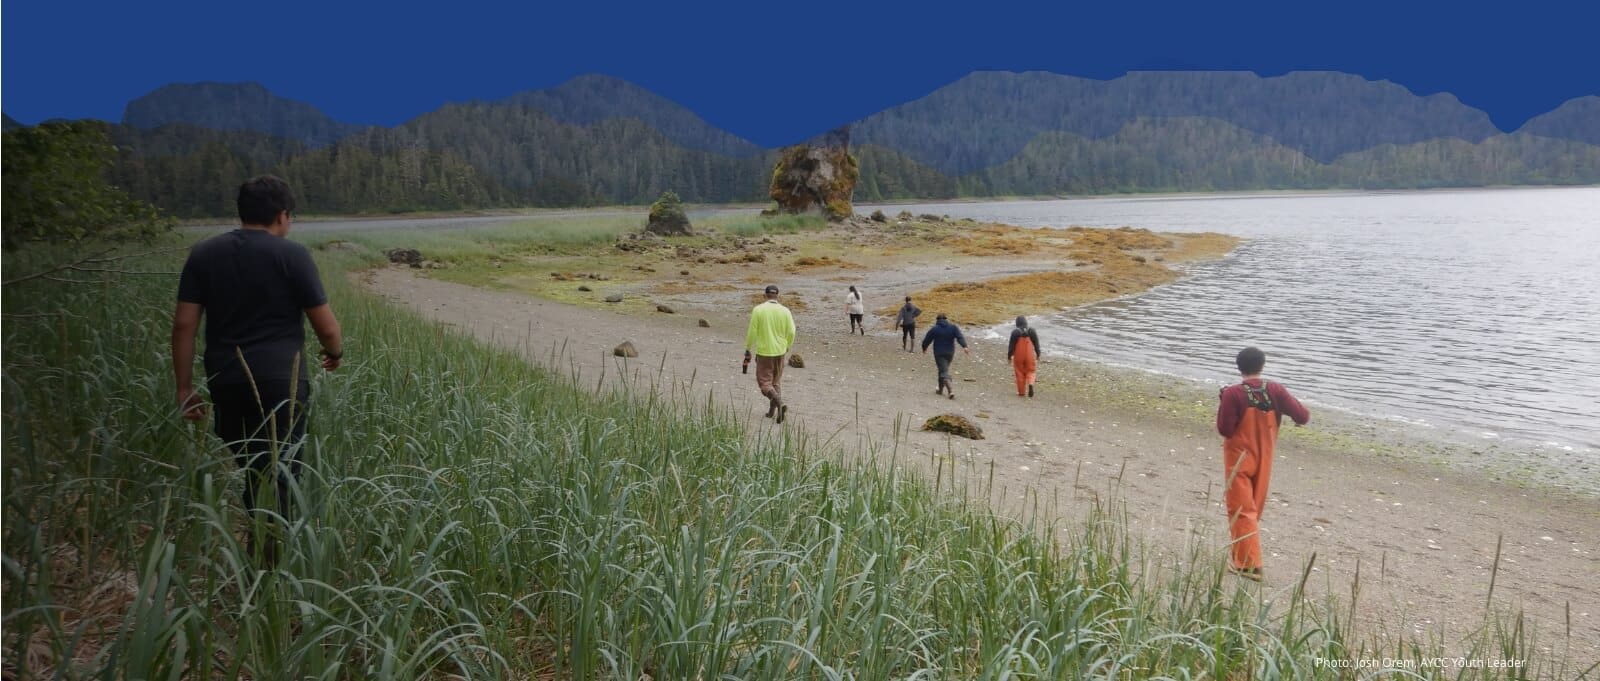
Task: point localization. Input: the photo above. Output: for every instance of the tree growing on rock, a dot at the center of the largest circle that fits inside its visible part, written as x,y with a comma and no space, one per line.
817,177
667,217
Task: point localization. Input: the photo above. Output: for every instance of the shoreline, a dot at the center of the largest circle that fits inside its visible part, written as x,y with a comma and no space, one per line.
1361,435
541,213
1143,439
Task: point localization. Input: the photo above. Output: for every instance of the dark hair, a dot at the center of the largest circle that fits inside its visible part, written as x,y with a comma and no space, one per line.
262,198
1250,361
908,299
852,289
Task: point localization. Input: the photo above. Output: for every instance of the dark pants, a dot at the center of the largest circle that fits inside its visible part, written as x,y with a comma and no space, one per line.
257,429
855,321
943,362
908,334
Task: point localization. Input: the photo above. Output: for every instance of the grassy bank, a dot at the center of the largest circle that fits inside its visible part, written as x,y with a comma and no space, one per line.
467,514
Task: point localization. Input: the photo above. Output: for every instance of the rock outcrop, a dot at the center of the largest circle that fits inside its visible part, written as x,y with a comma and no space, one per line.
667,217
817,178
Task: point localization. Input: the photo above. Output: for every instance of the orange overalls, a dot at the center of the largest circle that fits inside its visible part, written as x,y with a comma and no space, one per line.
1247,461
1024,363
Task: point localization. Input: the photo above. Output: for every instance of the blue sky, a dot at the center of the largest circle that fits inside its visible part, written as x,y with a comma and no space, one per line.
771,72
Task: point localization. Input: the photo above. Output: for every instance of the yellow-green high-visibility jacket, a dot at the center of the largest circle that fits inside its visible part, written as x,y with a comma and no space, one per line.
771,330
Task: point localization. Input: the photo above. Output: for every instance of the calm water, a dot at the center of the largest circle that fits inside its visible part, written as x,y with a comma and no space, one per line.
1473,314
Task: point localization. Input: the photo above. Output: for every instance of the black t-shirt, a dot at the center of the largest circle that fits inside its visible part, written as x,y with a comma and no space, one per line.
254,288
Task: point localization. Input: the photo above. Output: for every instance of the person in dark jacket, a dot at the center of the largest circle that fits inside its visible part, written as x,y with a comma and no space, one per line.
254,288
907,321
944,336
1023,352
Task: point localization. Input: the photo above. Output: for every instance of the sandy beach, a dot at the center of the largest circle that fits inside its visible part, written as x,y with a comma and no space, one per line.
1422,536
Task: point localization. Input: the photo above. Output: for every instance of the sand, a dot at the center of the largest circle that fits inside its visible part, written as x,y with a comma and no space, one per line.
1423,535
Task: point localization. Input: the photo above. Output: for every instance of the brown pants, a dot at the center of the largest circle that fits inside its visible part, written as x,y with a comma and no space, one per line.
769,373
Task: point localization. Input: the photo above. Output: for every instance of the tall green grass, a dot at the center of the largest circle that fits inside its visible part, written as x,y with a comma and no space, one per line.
465,514
502,240
757,225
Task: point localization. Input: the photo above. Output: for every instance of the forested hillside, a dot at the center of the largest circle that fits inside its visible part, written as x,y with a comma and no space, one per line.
600,140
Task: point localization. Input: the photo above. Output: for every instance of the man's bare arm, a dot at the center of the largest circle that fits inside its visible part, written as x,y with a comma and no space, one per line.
185,325
326,327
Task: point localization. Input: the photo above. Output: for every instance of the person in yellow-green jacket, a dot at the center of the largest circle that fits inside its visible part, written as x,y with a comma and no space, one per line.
770,334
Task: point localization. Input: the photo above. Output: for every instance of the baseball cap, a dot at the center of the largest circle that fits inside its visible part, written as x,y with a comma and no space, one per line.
771,288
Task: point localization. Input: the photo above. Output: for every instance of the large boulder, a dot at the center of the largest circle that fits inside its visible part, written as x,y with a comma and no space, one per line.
817,178
667,217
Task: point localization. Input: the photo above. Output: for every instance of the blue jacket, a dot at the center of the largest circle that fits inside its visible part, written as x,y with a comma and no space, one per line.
944,336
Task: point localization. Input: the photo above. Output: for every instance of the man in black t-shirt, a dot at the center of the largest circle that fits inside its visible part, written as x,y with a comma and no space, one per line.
255,286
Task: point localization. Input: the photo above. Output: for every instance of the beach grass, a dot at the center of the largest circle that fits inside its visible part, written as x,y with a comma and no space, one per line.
467,514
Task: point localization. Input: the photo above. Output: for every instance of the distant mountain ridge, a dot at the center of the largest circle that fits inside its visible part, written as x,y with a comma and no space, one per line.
235,106
591,98
597,140
987,117
1576,119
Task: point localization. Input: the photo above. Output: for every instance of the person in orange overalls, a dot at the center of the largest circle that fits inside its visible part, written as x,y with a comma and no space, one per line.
1023,352
1248,415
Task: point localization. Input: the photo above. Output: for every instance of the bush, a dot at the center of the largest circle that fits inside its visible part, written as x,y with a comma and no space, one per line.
55,189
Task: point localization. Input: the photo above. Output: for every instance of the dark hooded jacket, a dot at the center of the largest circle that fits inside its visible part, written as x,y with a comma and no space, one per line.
1023,331
943,335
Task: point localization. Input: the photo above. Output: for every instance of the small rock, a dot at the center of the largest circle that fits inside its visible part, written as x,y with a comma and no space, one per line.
704,324
614,298
585,289
954,425
796,362
625,350
408,256
684,272
664,309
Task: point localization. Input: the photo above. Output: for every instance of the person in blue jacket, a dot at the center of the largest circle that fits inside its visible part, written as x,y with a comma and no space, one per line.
944,336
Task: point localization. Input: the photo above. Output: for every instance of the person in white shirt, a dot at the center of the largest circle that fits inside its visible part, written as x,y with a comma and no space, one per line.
856,309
